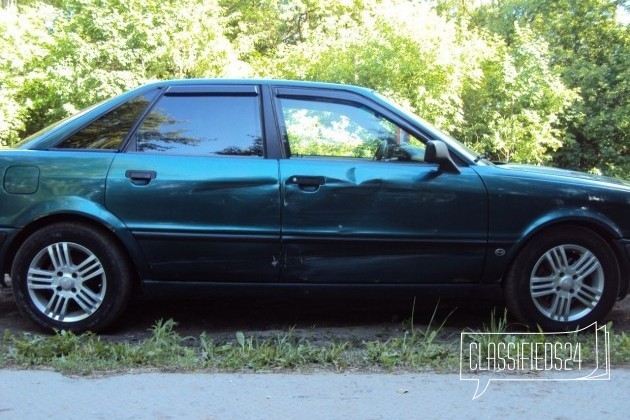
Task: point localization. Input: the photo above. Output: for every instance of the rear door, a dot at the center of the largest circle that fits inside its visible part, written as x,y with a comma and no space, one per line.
195,189
360,205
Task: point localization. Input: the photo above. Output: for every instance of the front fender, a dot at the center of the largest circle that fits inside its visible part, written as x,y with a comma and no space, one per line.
581,216
502,250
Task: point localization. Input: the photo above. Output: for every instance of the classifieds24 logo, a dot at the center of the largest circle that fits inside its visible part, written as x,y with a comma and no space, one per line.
486,357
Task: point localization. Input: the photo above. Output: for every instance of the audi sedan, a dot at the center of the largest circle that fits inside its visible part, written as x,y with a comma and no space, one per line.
265,184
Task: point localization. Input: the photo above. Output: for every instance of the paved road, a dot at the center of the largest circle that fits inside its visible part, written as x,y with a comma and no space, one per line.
42,394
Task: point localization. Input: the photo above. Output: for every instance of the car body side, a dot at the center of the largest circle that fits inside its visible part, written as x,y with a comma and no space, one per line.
516,204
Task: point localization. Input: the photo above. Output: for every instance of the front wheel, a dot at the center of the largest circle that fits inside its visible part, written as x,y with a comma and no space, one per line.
562,279
70,276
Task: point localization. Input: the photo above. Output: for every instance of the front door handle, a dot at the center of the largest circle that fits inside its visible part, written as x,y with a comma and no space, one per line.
138,177
307,180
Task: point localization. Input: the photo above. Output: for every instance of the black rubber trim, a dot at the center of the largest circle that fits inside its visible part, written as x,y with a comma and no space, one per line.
221,237
246,289
210,90
396,239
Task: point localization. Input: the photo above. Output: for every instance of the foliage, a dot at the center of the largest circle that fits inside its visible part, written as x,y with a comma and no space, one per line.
590,49
512,110
64,57
523,80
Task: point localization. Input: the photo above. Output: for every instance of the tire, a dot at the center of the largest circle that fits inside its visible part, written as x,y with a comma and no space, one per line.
563,279
70,276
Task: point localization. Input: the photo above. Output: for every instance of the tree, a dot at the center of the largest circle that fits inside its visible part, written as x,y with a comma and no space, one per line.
590,50
512,110
63,56
522,80
502,98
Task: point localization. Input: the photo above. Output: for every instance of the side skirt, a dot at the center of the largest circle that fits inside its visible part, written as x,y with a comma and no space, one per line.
326,291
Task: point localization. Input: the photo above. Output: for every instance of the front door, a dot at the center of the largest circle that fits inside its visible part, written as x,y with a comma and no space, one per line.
359,205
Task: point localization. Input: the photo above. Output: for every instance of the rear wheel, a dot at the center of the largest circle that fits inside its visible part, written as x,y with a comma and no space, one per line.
562,279
70,276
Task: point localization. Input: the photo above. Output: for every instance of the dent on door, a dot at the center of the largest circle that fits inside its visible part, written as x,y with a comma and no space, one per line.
367,223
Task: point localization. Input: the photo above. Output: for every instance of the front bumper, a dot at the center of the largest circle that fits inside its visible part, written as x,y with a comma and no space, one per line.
624,263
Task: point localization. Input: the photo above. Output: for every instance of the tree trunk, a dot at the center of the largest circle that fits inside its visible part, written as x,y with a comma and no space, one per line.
8,3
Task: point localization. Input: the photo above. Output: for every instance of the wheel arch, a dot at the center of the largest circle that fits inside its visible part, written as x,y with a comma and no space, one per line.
601,226
109,225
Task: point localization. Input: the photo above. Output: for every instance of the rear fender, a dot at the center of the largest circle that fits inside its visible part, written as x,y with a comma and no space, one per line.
79,209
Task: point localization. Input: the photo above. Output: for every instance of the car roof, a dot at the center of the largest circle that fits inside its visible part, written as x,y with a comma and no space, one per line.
257,81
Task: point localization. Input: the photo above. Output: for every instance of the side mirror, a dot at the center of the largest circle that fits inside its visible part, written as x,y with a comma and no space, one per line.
437,152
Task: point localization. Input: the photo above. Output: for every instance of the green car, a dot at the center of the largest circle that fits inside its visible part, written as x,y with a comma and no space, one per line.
263,184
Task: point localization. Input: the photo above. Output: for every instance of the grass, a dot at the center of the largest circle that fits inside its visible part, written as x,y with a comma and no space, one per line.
87,353
415,350
285,351
498,331
165,349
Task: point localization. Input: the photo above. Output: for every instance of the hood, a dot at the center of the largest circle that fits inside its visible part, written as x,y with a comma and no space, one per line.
575,175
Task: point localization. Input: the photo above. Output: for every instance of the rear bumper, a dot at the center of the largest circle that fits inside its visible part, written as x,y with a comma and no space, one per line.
3,240
3,237
6,235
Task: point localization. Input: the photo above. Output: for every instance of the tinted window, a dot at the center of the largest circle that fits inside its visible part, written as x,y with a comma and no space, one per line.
202,125
341,129
109,130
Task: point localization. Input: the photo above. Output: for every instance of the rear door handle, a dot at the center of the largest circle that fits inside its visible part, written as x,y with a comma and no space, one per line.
138,177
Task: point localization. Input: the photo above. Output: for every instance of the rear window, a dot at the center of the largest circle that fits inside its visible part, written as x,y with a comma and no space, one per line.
109,131
203,125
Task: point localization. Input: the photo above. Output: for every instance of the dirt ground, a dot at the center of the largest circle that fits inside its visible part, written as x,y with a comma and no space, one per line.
320,319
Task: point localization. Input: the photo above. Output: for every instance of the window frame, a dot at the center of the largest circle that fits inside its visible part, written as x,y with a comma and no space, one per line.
209,90
342,97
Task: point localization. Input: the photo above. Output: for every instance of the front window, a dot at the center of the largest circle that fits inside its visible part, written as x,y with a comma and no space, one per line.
434,132
345,130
